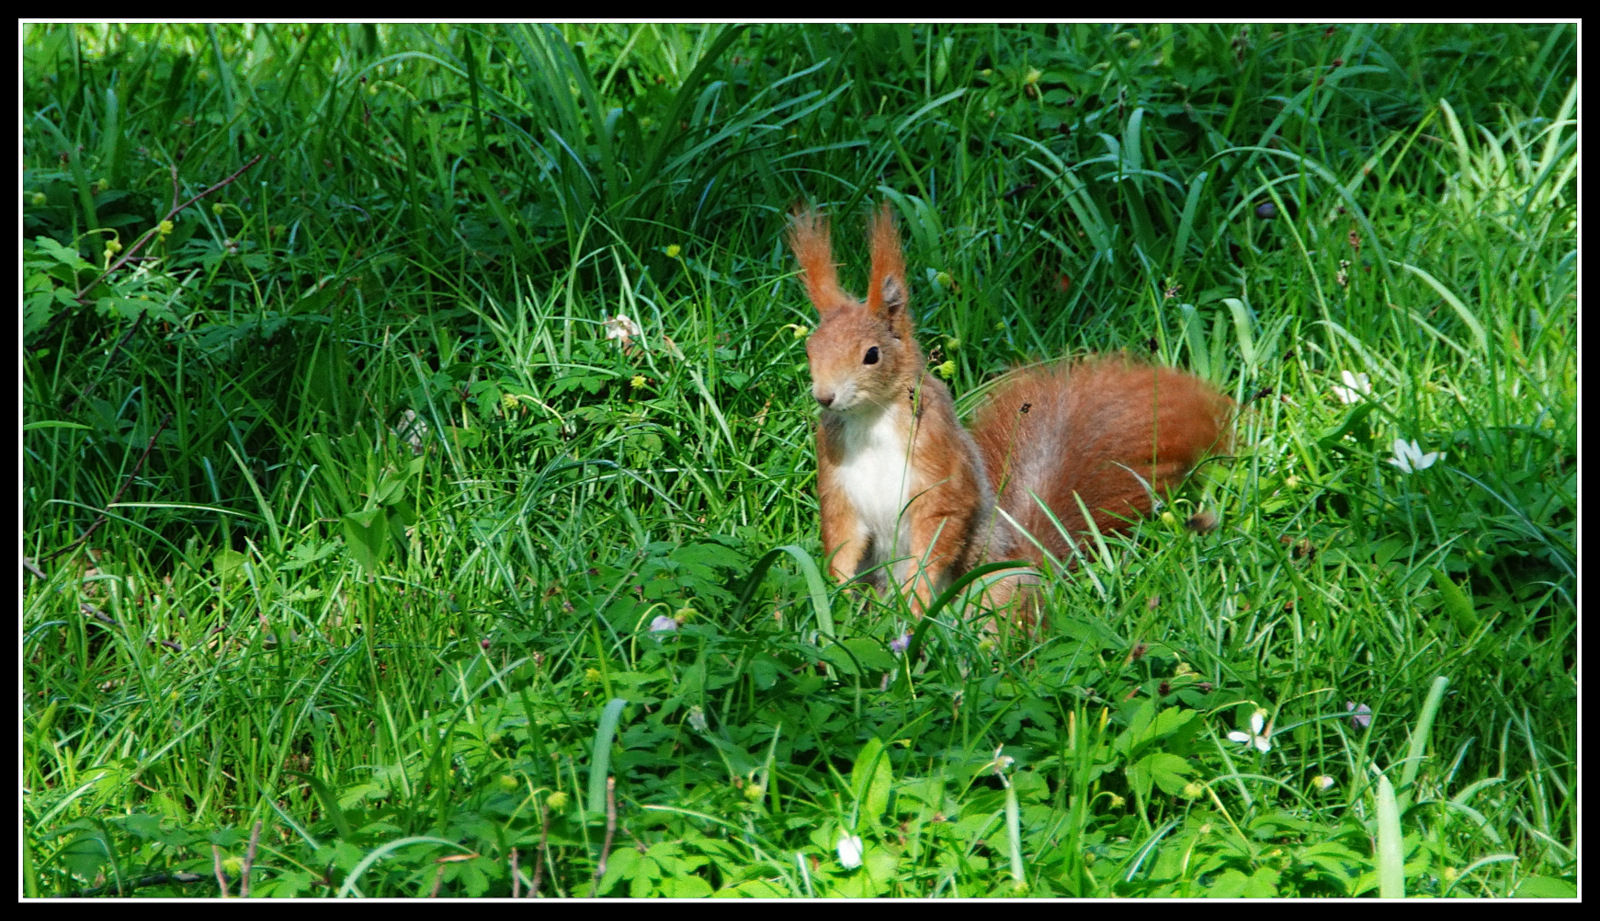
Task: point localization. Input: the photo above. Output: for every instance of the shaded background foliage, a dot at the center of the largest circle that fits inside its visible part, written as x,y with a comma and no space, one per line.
529,155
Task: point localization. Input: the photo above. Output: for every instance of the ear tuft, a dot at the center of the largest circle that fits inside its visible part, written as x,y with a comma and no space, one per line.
888,292
812,243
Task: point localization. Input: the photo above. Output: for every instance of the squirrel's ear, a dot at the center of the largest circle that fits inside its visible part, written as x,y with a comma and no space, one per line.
893,294
813,247
888,290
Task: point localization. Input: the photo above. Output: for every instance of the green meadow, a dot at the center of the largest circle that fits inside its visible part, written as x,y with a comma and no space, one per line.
418,477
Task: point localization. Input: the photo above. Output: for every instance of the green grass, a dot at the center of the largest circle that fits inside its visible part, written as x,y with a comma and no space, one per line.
353,541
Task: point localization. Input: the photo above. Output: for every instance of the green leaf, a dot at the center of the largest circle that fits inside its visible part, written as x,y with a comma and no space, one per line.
1331,440
600,764
1456,603
1546,887
871,779
330,804
151,828
229,565
1390,857
366,533
1167,771
86,854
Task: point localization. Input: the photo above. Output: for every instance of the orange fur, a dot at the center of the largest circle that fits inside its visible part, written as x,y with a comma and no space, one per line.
904,488
1108,430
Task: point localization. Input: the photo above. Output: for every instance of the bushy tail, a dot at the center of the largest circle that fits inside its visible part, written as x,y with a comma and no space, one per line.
1109,430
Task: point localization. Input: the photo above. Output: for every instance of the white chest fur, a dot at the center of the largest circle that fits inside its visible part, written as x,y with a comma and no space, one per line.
876,476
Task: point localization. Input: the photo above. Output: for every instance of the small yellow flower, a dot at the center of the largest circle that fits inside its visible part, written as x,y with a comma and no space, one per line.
946,370
557,800
1033,76
164,228
637,381
591,675
1117,802
1194,790
1323,782
673,251
943,280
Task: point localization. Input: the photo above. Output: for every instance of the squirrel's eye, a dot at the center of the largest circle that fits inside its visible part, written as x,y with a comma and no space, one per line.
871,358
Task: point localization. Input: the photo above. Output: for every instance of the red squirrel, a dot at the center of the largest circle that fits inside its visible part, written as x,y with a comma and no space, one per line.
904,487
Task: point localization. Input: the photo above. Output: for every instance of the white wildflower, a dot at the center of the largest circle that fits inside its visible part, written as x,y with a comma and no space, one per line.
1357,387
1259,735
1409,457
622,329
850,851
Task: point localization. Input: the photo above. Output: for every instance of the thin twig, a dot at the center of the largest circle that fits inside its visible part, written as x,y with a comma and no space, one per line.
249,859
124,488
216,867
110,621
98,614
124,887
516,883
145,237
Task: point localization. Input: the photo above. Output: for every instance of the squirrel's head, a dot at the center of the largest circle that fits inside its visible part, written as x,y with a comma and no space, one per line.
862,352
